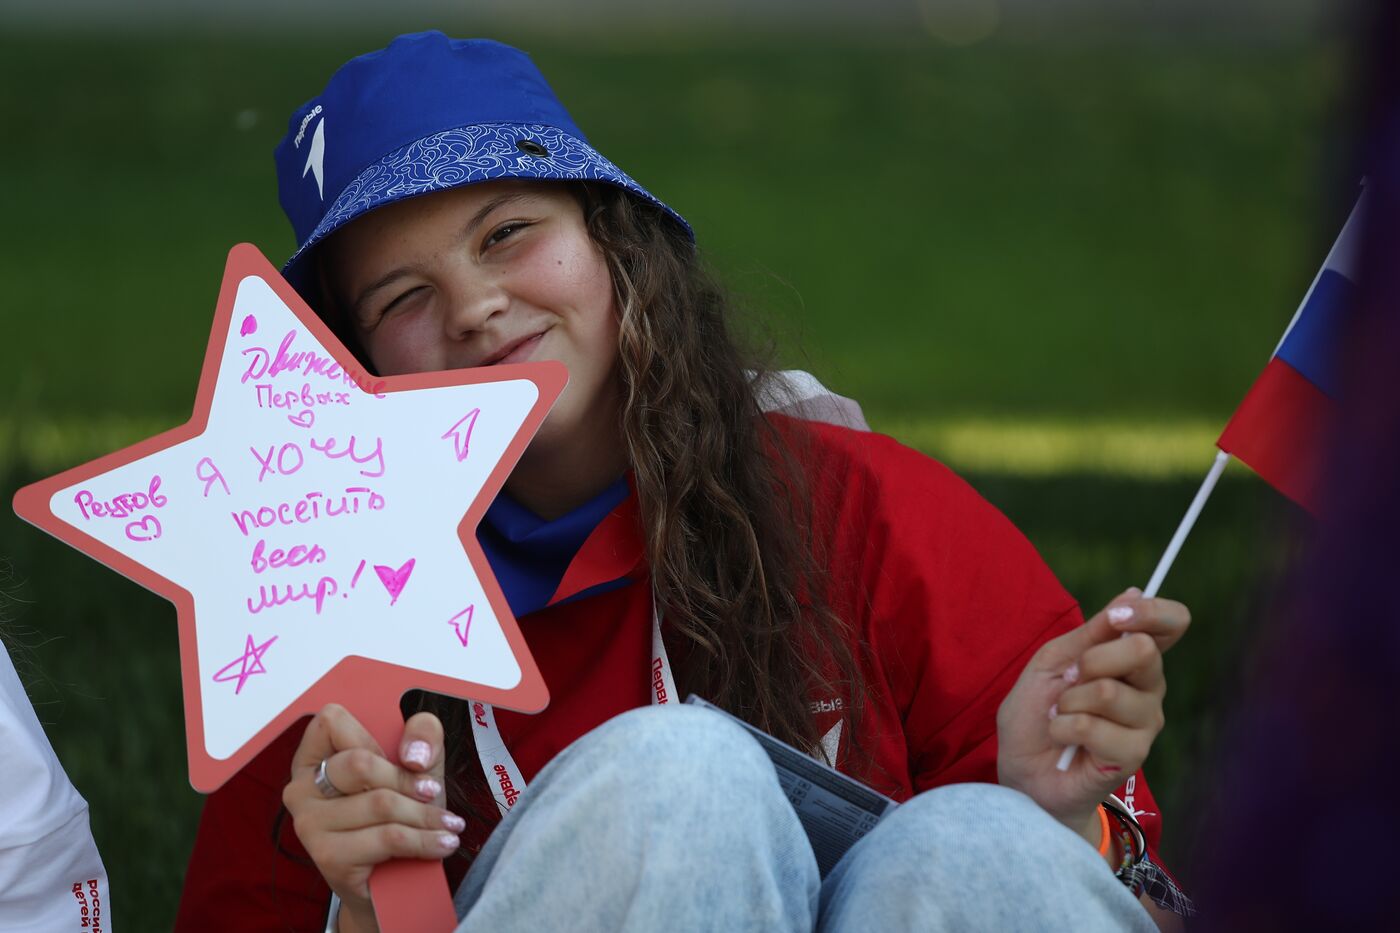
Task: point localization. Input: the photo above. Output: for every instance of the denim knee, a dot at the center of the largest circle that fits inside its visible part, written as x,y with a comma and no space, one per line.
982,818
966,822
661,816
978,855
679,752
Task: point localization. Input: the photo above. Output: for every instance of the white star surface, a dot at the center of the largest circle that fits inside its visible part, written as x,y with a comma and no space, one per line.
310,520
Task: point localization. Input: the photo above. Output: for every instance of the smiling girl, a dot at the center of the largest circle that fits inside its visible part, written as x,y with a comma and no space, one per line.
682,523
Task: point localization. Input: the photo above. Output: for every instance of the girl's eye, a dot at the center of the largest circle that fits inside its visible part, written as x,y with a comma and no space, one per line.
502,232
400,302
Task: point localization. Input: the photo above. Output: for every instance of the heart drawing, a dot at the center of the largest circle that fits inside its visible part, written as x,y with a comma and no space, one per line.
147,529
394,580
304,420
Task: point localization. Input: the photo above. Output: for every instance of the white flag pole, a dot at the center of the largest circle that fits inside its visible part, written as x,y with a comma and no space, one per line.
1188,521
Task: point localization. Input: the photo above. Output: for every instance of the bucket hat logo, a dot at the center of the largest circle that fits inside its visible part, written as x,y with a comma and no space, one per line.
316,158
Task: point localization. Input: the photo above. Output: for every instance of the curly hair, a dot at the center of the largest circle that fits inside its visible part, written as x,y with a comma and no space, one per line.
722,494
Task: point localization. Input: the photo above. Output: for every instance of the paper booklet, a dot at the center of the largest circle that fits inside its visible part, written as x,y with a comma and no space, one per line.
835,810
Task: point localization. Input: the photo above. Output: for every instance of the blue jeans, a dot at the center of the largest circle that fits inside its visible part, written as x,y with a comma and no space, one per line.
670,819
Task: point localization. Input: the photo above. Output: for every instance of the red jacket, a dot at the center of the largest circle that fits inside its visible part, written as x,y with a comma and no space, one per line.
951,599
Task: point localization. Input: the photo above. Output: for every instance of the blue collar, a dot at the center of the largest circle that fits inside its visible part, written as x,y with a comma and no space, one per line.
529,555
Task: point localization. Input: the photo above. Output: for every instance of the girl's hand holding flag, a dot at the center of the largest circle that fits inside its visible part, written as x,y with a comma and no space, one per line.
1099,687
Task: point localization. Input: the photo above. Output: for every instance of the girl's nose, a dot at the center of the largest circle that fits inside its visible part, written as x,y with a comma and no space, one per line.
471,303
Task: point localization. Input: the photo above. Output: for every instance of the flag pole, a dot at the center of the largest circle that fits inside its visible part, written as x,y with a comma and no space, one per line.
1188,521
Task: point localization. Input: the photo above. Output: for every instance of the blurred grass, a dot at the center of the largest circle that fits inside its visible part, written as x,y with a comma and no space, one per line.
1038,230
1016,446
1057,267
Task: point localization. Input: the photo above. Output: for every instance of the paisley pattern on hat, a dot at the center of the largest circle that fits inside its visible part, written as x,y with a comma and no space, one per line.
468,154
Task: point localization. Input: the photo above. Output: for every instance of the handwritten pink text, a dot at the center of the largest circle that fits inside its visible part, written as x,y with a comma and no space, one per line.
298,554
292,399
309,508
209,474
121,506
375,456
269,597
265,365
289,460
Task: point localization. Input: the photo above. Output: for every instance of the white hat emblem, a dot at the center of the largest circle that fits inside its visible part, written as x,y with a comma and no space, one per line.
316,157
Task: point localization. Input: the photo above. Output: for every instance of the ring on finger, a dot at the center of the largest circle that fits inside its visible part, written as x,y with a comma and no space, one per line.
323,782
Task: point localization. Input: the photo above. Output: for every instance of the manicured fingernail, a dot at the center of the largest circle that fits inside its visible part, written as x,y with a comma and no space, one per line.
448,841
1133,591
418,752
1054,710
1119,615
454,822
1072,674
427,788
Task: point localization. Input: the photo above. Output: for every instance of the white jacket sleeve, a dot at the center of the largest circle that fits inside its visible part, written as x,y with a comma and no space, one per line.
51,876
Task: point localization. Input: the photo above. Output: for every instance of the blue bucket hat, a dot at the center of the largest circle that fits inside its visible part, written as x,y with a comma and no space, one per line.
426,114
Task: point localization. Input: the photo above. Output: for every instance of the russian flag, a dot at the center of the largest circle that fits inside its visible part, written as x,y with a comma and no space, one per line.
1282,428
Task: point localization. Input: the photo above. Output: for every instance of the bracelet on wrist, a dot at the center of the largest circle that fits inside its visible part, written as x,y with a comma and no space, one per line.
1132,840
1105,834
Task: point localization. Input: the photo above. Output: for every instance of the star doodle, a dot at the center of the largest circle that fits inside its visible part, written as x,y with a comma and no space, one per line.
248,664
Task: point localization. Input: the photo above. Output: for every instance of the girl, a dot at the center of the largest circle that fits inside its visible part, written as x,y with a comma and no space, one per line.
669,532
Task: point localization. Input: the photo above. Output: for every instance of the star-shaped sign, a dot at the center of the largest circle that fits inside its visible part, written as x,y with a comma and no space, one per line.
314,526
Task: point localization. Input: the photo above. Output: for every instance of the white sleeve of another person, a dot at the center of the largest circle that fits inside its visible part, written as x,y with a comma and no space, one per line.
51,876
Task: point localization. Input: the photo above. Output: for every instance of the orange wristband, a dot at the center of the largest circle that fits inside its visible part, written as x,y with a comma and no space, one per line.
1107,837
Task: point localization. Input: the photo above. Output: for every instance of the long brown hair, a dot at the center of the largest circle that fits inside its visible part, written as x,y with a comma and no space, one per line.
722,495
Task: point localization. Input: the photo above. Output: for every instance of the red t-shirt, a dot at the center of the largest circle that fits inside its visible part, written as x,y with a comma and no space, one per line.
949,597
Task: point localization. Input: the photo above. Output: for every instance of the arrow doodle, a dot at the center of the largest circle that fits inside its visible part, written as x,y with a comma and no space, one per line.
462,627
462,437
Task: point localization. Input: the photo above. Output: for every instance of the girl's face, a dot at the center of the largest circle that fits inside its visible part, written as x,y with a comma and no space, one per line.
498,272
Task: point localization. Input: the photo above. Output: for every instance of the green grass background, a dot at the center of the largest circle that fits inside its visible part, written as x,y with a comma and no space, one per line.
1079,241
